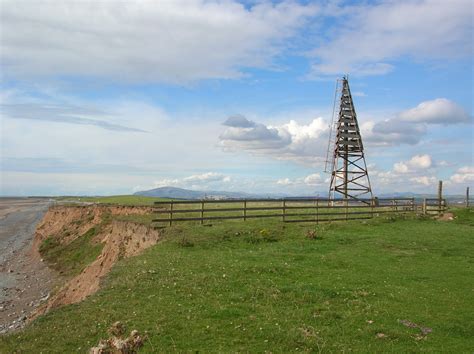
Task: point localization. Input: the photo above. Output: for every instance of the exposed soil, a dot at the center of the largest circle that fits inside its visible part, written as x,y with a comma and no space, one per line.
446,217
69,222
27,282
121,240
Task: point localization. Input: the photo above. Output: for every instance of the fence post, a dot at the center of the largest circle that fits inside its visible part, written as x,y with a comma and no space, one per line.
202,211
317,211
347,207
424,206
284,210
245,210
171,212
372,205
413,208
467,197
440,196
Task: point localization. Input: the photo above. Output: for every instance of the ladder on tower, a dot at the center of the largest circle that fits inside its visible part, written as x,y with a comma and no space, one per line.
329,163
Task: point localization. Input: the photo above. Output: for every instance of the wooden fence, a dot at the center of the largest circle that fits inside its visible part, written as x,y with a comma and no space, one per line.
433,206
288,209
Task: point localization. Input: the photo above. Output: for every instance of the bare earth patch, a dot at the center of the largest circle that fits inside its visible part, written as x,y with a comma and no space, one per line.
446,217
121,239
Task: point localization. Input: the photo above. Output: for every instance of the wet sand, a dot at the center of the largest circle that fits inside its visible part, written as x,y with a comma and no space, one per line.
25,281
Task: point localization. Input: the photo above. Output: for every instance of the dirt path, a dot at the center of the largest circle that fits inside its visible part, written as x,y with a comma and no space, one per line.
24,280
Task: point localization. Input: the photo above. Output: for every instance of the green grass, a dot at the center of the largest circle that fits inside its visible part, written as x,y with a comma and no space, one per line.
116,199
260,286
71,258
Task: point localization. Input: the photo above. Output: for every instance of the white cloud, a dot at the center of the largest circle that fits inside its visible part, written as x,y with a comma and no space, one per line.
177,41
400,167
305,143
372,36
424,180
310,180
284,181
164,182
64,113
207,177
391,132
463,175
416,163
313,180
420,161
204,181
437,111
411,125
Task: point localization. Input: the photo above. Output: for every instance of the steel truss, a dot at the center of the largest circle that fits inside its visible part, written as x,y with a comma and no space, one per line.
349,175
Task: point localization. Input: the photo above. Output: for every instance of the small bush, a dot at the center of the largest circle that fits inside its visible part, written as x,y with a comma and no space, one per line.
263,235
313,235
184,242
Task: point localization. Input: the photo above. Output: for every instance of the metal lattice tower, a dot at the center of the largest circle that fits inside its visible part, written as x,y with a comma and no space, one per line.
349,175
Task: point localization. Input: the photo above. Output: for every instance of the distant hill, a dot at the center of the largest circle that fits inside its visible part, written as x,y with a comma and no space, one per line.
181,193
188,194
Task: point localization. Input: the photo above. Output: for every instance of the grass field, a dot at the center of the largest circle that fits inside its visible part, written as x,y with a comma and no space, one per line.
263,285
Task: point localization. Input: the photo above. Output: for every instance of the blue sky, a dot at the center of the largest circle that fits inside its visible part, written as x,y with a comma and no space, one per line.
101,97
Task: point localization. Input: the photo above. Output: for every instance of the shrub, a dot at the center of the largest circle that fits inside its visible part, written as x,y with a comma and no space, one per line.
312,235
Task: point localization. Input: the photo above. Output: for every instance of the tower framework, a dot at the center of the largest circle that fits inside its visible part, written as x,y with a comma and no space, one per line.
349,175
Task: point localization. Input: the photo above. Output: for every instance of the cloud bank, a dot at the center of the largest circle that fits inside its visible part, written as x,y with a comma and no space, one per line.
370,38
409,126
293,141
177,41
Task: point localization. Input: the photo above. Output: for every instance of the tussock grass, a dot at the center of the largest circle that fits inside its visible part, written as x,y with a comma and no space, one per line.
352,290
73,257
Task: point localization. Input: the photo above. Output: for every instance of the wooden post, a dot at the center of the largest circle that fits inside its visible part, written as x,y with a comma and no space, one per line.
440,196
171,212
372,205
317,211
347,207
202,211
284,210
245,210
424,206
467,197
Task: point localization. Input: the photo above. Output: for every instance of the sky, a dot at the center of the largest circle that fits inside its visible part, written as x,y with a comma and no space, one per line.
113,97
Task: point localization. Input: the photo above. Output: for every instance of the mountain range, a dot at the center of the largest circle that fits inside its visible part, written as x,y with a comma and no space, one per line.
181,193
188,194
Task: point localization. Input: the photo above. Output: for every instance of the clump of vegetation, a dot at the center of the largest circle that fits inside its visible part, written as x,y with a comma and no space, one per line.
185,242
70,258
117,344
263,235
313,235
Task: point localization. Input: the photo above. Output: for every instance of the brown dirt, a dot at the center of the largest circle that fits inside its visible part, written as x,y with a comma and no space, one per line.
446,217
121,240
72,221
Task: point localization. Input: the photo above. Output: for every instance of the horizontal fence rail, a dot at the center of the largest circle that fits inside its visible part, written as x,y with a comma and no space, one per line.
288,209
434,206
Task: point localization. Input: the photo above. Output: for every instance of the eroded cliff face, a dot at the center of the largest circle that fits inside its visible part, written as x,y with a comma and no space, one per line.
69,222
120,239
